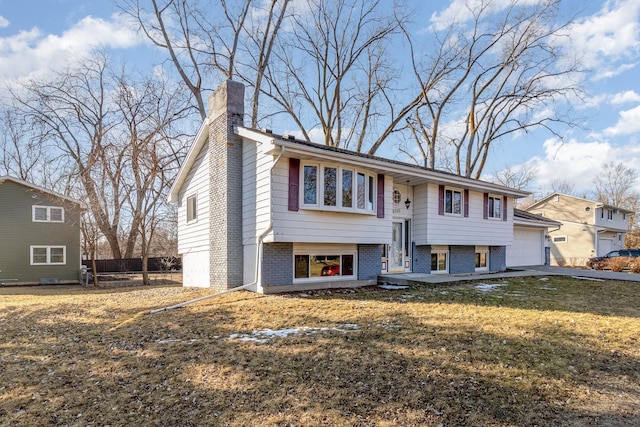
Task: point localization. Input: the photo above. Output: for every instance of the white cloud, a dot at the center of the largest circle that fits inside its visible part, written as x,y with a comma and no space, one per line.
578,163
4,22
608,39
625,97
30,53
460,11
628,123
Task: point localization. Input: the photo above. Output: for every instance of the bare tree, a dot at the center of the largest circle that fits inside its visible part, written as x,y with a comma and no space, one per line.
205,41
72,112
516,177
80,117
490,77
333,69
563,187
21,152
615,186
149,111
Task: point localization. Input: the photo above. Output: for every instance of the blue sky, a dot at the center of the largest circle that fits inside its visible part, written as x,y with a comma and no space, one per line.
40,35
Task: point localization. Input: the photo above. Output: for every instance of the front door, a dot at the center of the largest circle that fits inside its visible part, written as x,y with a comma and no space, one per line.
395,250
399,256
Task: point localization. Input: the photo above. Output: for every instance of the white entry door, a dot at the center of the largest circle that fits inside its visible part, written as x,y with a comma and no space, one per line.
399,256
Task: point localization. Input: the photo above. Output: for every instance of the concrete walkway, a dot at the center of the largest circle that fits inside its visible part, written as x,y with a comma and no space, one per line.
405,279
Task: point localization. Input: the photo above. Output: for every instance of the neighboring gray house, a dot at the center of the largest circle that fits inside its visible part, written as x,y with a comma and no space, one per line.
276,214
39,235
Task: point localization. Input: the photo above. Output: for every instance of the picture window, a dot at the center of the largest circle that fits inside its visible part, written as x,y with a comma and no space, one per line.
308,266
341,189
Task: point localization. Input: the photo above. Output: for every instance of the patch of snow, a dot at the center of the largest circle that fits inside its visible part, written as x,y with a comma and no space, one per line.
393,287
593,279
543,279
268,334
488,287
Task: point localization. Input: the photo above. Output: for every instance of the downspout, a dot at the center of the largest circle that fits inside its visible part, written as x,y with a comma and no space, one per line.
258,252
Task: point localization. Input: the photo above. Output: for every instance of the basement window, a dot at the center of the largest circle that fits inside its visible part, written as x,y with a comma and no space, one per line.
323,266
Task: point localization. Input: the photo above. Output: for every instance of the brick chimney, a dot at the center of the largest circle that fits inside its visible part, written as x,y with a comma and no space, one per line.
226,111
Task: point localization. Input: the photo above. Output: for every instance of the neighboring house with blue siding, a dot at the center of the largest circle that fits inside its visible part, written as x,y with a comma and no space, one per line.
39,235
277,214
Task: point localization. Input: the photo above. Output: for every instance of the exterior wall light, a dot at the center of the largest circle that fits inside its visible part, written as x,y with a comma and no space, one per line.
407,202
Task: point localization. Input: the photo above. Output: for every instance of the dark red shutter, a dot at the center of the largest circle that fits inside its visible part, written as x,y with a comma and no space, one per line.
380,195
466,203
504,208
485,207
294,184
441,200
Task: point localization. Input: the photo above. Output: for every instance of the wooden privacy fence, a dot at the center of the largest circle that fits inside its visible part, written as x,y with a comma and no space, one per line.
135,264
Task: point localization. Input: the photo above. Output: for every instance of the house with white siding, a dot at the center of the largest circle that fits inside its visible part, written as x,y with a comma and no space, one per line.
277,214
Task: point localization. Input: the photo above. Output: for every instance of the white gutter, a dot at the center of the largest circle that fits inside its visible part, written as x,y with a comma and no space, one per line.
256,282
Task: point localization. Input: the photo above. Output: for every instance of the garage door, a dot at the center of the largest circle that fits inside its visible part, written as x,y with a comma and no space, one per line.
527,248
605,246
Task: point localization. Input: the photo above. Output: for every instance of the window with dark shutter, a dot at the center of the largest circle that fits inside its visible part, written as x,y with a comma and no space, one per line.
441,200
485,206
504,208
380,199
466,203
294,184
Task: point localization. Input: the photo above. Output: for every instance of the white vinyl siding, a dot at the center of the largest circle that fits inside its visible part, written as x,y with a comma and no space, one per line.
434,229
256,191
194,235
195,269
326,226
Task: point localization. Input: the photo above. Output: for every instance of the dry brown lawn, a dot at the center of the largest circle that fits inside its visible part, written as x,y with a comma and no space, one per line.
515,352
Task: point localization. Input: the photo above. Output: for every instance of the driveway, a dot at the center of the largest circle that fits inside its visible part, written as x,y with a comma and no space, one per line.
582,272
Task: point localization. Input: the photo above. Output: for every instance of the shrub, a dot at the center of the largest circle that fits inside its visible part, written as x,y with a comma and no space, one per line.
634,265
600,265
619,263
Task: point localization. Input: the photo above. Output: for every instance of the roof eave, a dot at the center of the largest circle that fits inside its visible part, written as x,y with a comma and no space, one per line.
292,146
183,172
42,189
